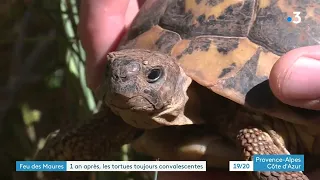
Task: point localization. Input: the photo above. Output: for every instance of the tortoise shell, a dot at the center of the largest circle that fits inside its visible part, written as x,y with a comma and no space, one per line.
230,46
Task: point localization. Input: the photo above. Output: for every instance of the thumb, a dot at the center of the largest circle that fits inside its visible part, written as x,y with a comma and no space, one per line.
295,78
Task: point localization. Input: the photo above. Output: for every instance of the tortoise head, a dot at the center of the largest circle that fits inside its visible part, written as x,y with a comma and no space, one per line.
146,88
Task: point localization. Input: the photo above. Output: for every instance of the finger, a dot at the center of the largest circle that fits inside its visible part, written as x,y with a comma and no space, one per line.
217,175
295,78
101,24
132,11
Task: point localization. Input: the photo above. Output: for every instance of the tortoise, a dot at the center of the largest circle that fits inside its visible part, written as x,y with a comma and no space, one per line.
189,81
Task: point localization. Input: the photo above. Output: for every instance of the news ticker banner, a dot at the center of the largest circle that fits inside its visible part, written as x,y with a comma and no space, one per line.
111,165
259,163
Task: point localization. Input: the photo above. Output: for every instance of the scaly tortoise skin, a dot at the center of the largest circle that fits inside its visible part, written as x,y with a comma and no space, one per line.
190,80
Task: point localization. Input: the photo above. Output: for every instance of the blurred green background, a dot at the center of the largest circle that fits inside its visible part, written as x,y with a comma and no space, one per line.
42,81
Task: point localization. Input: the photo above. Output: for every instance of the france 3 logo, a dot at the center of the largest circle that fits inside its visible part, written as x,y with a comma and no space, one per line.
296,19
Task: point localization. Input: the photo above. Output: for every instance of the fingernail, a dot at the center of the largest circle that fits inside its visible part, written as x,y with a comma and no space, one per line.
302,80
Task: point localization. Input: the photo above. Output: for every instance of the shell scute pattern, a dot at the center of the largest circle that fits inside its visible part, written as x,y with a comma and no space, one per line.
230,46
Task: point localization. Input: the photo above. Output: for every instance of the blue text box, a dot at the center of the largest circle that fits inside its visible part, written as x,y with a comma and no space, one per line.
289,163
41,166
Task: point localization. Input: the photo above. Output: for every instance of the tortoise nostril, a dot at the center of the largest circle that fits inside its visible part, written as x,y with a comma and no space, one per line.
115,77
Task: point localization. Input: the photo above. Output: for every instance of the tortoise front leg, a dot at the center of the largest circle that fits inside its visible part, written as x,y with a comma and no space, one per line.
256,141
95,140
187,143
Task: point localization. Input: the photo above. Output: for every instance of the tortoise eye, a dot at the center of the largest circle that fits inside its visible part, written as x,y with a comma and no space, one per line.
154,75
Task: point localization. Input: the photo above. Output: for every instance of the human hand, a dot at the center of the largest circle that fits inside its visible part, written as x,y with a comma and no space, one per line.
295,78
102,23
